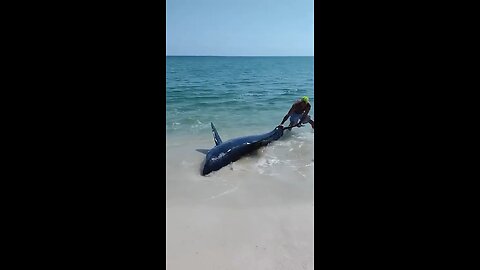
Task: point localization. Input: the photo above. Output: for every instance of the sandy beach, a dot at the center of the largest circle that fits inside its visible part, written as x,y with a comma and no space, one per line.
241,66
256,213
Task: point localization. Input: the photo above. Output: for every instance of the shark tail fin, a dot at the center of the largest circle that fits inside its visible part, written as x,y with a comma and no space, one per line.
216,137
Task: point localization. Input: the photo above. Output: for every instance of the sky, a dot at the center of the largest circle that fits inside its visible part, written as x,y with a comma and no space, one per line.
240,27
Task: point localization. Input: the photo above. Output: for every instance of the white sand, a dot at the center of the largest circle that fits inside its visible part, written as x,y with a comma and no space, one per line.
256,213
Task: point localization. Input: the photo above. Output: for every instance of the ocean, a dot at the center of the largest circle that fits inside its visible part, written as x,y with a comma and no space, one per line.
235,93
257,212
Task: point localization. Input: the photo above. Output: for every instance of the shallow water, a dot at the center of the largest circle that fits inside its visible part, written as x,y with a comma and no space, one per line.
257,212
236,93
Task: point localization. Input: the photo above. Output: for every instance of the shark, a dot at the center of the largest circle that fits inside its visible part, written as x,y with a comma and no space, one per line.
224,153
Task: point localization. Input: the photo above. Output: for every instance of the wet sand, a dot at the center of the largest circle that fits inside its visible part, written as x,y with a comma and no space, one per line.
256,213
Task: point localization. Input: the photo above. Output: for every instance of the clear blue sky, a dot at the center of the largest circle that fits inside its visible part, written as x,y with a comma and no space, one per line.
240,27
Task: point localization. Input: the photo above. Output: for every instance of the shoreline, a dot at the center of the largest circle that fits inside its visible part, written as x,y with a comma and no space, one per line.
256,213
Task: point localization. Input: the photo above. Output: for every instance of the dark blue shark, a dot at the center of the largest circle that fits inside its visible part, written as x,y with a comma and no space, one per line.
226,152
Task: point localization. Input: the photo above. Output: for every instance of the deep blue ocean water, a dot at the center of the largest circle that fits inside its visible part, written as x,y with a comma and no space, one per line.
241,95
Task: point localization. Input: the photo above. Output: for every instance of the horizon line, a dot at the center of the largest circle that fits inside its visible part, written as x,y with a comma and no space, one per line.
243,55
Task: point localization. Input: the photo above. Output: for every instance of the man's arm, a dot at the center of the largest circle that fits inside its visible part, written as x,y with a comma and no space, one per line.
286,116
305,113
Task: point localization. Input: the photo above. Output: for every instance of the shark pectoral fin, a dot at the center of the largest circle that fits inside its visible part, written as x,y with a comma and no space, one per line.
257,144
204,151
216,137
264,142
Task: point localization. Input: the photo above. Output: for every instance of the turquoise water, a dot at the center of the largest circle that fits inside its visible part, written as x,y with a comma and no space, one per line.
241,95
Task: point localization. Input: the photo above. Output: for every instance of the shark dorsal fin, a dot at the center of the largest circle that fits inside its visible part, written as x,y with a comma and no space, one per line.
216,137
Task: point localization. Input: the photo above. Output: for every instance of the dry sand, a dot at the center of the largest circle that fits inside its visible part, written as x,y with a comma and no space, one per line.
256,213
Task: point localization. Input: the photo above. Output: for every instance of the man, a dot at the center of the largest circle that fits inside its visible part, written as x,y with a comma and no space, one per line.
299,113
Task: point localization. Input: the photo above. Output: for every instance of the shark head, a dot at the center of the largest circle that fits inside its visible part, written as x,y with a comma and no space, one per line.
215,160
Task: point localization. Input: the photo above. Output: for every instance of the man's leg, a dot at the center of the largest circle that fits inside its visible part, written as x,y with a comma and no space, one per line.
311,122
294,120
307,119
